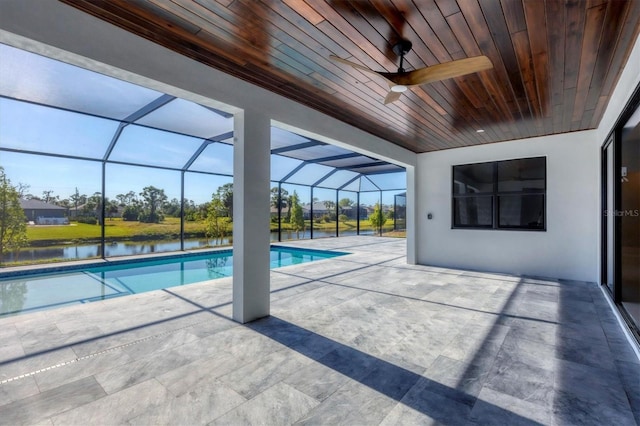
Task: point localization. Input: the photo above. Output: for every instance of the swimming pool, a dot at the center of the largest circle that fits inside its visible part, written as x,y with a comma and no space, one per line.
33,292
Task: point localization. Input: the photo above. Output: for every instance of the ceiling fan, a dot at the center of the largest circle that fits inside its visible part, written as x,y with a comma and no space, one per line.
401,80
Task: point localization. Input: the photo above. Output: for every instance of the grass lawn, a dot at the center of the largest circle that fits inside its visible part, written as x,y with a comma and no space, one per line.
63,232
114,228
170,227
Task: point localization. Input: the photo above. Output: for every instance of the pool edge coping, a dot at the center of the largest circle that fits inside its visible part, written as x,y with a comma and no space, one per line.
76,265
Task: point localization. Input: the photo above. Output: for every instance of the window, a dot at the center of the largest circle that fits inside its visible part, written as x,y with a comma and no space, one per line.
500,195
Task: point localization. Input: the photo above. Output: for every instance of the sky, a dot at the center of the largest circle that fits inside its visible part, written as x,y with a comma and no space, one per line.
36,126
63,176
30,127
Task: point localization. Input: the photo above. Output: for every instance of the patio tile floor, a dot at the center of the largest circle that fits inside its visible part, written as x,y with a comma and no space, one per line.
361,339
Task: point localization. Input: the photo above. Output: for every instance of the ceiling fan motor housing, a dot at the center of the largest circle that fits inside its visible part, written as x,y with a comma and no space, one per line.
401,48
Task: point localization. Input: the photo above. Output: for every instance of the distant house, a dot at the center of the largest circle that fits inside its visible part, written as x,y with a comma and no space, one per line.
351,211
42,213
82,210
77,211
365,212
283,211
93,211
319,210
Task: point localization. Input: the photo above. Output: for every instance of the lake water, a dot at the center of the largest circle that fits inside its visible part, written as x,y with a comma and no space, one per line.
128,248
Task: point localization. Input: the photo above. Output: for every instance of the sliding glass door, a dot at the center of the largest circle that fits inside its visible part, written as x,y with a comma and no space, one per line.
630,216
608,274
621,214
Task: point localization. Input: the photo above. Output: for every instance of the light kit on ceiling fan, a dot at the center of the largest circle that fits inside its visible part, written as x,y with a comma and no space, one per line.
398,88
401,80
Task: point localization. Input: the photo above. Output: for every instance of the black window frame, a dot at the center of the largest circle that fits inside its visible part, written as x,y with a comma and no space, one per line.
495,195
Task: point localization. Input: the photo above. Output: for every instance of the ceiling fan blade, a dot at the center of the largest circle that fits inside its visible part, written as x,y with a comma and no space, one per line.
441,71
352,64
357,66
392,97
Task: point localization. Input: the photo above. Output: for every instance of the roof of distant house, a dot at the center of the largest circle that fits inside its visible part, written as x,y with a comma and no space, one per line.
318,206
38,205
283,210
80,207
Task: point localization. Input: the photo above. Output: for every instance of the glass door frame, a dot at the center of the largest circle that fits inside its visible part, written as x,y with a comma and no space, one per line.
615,138
606,211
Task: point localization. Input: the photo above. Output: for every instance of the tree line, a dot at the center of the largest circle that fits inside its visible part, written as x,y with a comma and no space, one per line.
152,205
13,227
149,206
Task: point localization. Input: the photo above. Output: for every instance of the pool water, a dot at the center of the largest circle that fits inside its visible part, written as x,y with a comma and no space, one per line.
28,293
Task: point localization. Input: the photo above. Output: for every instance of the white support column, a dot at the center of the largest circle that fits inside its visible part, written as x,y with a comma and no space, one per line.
251,181
411,225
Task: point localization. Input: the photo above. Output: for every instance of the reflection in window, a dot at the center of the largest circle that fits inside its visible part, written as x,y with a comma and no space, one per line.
501,195
521,211
473,178
473,212
521,175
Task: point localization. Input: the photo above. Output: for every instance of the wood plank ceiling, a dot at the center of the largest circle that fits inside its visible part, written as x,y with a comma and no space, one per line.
556,62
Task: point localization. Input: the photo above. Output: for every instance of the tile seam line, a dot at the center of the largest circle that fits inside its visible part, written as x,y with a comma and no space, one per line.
92,355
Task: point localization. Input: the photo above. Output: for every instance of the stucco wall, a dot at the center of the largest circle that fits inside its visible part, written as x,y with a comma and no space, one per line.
568,248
